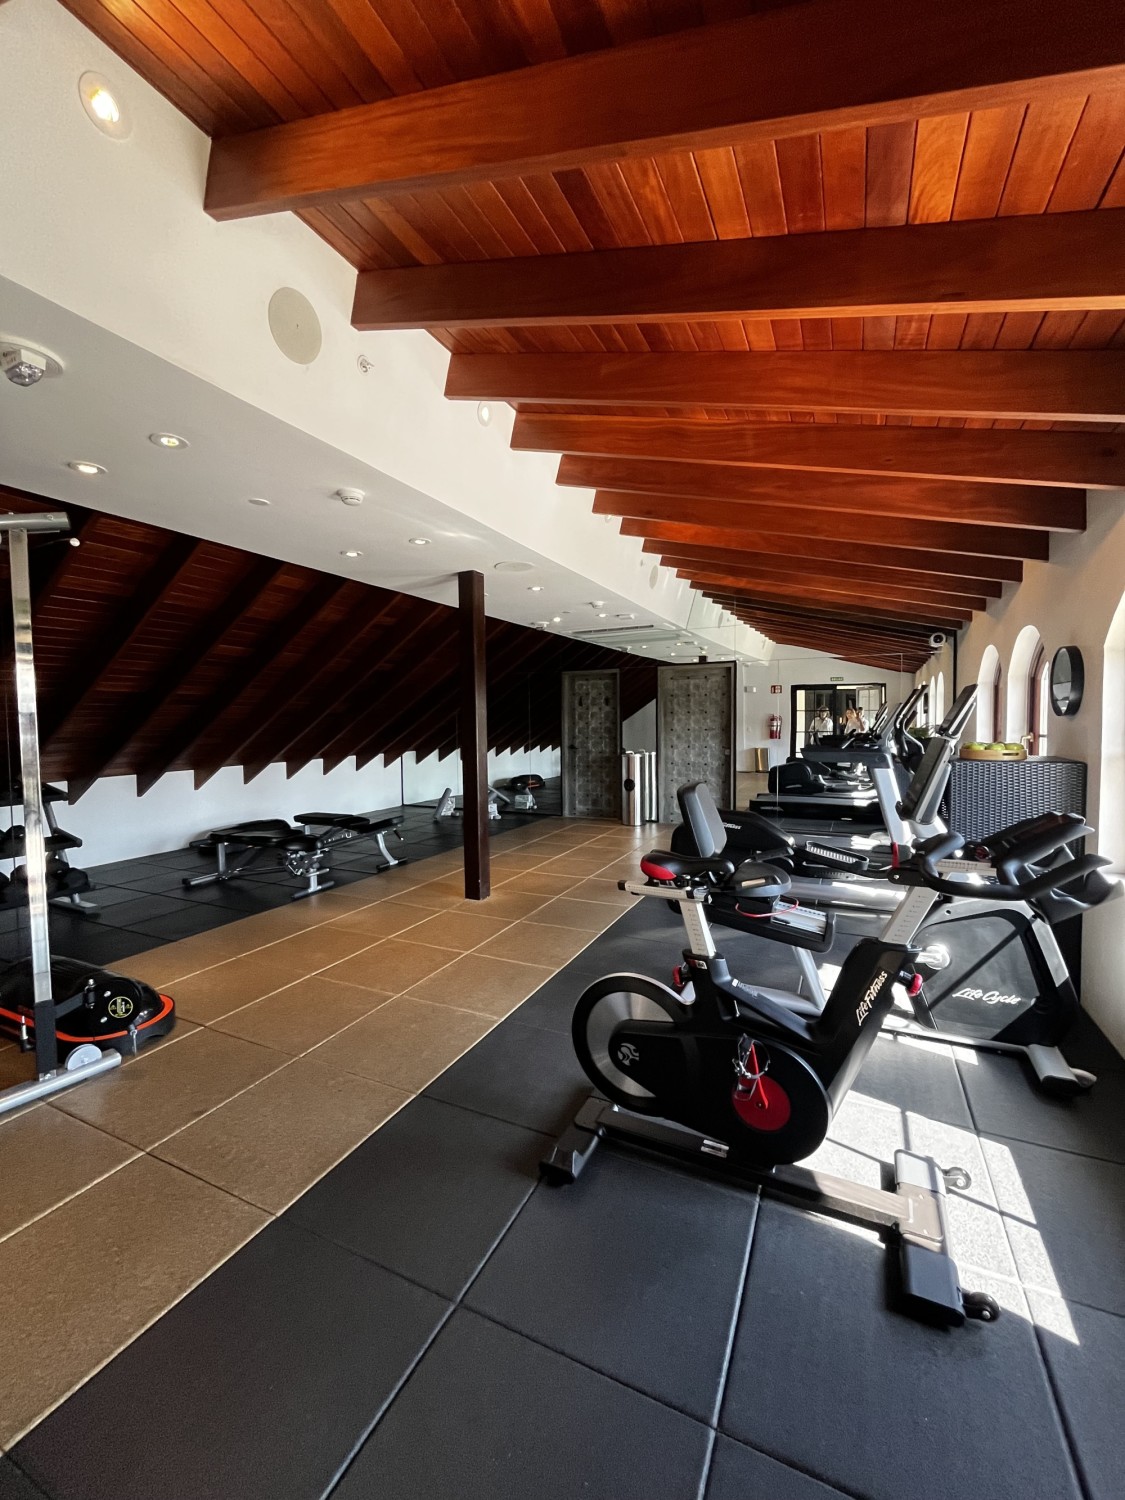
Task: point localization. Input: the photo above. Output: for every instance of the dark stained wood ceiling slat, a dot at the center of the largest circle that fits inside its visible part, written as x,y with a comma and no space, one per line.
872,575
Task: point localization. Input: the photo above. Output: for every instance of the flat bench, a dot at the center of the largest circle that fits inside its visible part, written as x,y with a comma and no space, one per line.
304,850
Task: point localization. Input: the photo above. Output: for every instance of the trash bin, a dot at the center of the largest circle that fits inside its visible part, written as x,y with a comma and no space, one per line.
761,759
638,780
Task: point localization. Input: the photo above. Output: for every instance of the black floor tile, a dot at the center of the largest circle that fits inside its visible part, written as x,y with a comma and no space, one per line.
1065,1217
261,1383
552,1004
826,1377
741,1473
491,1416
1085,1351
14,1485
631,1270
159,881
429,1194
916,1078
517,1073
147,907
104,946
191,919
1006,1101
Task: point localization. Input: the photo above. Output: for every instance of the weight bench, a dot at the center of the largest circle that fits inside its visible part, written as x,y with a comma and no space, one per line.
302,851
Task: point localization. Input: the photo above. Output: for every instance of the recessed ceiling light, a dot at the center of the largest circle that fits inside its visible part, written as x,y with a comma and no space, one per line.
535,588
83,466
257,500
167,440
351,552
484,413
556,619
419,541
103,106
626,617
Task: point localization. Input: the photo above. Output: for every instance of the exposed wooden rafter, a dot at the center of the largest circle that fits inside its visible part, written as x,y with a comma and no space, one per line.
874,498
792,71
1037,262
1085,385
737,515
1084,460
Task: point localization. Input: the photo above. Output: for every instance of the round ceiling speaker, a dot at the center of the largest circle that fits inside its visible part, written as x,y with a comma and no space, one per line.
512,567
295,326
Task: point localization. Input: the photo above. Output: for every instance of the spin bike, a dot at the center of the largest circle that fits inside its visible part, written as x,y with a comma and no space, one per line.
740,1079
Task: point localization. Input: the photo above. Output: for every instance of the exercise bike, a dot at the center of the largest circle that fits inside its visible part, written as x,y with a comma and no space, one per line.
987,976
735,1077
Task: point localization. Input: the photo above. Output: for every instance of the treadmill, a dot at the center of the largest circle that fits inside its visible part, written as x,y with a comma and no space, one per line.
800,789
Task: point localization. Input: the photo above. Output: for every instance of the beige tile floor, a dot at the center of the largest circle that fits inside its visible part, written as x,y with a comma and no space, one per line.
301,1031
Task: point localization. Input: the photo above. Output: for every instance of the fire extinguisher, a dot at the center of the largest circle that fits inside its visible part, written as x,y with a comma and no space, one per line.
775,726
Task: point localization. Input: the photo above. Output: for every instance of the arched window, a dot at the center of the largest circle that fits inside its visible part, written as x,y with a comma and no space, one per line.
1038,701
990,719
937,688
1111,801
1020,707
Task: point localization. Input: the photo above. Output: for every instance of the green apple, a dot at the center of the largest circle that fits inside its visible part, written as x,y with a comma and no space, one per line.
1012,745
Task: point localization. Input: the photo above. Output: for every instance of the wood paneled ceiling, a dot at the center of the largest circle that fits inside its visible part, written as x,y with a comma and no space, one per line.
158,652
791,286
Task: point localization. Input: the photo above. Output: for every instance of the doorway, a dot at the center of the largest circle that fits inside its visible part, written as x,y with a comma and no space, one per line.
591,745
695,729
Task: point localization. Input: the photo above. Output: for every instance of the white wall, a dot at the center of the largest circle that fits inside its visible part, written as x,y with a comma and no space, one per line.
1071,601
114,823
791,666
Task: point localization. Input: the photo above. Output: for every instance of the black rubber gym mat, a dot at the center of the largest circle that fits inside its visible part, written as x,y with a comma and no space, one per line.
597,1271
518,1073
1005,1101
741,1473
14,1485
429,1194
826,1376
489,1415
259,1385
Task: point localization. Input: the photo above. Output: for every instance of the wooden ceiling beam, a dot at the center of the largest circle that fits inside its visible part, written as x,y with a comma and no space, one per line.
832,590
1035,262
823,525
1084,460
833,629
835,640
902,499
859,576
791,71
813,612
1083,385
979,575
906,610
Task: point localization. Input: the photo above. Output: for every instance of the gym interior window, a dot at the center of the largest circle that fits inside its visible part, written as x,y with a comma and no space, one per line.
990,718
1038,701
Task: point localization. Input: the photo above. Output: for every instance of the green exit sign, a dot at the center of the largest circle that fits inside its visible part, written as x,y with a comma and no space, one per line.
835,679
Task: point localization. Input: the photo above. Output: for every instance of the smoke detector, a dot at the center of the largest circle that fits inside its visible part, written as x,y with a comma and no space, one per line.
349,497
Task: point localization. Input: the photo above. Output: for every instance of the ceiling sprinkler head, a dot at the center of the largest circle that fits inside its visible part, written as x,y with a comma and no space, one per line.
21,365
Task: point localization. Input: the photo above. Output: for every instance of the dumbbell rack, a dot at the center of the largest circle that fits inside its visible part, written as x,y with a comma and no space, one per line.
13,845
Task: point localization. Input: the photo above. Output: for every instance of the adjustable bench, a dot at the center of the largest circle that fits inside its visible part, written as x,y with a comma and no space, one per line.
304,851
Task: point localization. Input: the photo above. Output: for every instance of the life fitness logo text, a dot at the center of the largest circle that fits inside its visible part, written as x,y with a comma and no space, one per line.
988,997
863,1009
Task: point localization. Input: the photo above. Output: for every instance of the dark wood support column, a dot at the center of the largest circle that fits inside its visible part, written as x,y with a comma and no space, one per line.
473,732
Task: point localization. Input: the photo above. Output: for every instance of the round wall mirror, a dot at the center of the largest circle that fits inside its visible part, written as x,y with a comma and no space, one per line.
1067,681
